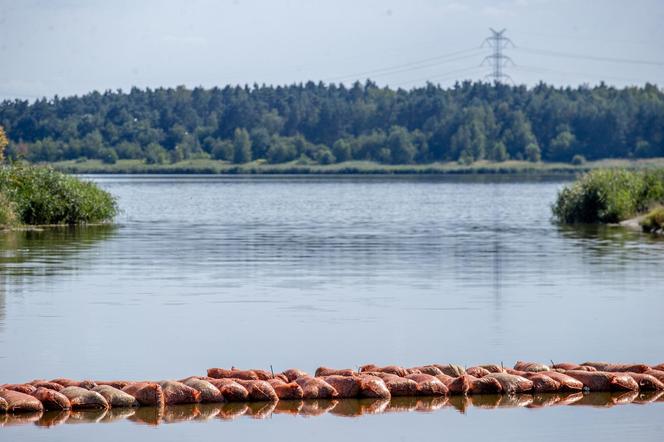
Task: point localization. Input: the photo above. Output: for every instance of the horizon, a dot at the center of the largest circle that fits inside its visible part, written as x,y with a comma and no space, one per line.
72,47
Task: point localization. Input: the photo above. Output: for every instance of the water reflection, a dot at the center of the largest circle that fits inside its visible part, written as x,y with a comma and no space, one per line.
346,408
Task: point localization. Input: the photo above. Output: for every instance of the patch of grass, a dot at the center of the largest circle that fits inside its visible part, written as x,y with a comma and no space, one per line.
41,195
609,196
654,220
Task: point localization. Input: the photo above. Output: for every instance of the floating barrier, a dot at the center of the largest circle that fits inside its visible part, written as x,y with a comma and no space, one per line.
369,382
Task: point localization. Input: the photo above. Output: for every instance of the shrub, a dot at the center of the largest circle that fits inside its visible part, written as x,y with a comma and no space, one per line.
608,196
578,160
41,195
654,220
7,212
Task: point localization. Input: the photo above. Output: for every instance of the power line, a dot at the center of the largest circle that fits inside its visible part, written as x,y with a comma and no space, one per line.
443,76
498,42
413,65
590,57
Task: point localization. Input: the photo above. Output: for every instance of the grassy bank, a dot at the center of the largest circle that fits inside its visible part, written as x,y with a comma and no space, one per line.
348,167
37,195
610,196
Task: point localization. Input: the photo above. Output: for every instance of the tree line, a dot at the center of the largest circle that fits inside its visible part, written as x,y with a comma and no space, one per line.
329,123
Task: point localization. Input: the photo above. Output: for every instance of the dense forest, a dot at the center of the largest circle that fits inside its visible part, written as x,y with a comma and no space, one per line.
330,123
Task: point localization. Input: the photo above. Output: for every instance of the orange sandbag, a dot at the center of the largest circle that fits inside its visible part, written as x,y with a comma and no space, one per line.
608,366
222,373
230,389
287,391
115,384
461,384
21,388
46,384
316,388
530,366
604,380
477,372
259,390
389,369
373,387
485,385
346,386
177,393
293,373
647,382
425,369
146,393
115,397
17,402
658,367
657,374
543,383
428,385
209,393
445,379
51,399
325,371
397,386
512,384
88,385
567,383
81,398
493,368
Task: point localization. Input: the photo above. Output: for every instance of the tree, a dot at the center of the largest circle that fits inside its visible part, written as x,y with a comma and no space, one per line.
155,154
533,153
3,143
342,150
561,147
401,148
499,152
241,146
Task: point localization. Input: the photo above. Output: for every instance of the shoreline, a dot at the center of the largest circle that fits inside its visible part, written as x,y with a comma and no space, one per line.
215,167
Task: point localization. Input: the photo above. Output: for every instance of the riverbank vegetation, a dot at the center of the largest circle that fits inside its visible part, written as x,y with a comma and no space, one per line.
207,166
654,220
37,195
610,196
326,124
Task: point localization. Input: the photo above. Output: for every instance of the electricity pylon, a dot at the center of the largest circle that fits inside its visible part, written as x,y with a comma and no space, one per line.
498,42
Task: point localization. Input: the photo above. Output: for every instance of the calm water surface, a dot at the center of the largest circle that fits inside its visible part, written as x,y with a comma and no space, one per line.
340,271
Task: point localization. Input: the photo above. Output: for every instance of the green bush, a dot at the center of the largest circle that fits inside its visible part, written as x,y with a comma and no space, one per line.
578,160
654,220
41,195
609,196
7,212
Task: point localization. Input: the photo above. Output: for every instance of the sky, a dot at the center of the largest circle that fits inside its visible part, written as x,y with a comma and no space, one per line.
68,47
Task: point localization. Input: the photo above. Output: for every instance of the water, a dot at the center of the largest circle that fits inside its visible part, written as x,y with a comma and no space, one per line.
338,271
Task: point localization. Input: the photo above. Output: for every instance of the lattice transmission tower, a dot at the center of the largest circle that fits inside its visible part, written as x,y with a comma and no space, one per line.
498,60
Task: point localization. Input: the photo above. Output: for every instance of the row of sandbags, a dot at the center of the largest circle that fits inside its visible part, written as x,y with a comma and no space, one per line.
336,407
370,381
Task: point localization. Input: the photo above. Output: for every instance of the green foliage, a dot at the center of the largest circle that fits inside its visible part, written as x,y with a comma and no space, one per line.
609,196
7,212
654,220
468,122
578,160
3,144
241,146
533,153
40,195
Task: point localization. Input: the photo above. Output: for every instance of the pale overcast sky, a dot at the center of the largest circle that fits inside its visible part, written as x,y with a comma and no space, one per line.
69,47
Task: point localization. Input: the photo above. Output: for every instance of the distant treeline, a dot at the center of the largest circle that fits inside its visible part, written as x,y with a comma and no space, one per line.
330,123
